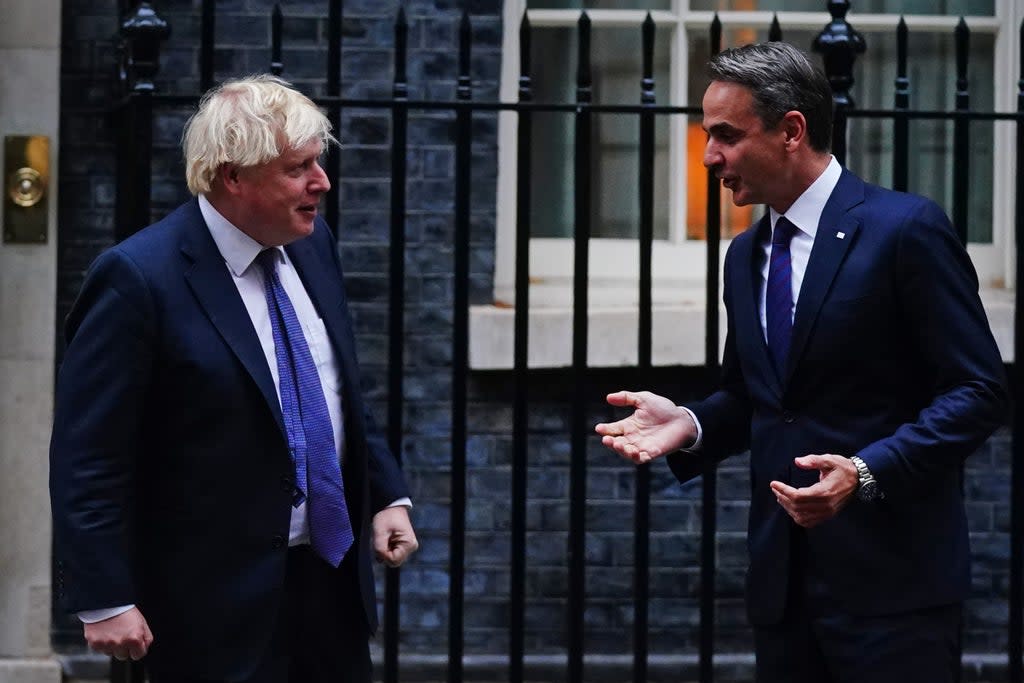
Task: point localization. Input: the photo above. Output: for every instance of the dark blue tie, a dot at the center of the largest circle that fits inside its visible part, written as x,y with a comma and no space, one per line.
779,295
307,423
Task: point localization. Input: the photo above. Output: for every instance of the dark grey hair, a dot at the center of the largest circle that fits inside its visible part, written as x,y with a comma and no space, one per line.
782,79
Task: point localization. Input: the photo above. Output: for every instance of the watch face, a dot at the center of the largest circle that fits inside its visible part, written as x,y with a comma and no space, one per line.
868,491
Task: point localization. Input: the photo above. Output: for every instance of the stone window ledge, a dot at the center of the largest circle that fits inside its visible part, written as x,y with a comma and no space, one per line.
677,333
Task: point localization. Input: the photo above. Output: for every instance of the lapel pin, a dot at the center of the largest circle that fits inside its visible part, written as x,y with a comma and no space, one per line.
841,235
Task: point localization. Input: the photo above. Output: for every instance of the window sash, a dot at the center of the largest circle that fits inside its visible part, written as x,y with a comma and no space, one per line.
678,259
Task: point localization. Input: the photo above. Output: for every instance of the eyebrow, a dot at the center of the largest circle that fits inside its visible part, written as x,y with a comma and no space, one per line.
720,128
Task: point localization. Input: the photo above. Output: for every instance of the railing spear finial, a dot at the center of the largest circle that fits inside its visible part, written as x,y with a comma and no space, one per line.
141,35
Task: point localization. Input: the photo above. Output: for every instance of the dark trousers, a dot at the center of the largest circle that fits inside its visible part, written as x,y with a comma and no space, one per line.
321,634
817,642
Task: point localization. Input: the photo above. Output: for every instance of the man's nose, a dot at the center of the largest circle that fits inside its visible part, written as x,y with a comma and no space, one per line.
712,157
320,183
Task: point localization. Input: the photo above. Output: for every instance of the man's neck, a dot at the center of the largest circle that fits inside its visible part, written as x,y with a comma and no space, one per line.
804,172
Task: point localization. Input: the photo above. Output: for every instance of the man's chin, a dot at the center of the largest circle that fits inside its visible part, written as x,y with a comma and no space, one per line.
739,198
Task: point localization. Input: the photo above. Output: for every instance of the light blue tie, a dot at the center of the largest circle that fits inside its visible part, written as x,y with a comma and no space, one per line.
779,295
307,423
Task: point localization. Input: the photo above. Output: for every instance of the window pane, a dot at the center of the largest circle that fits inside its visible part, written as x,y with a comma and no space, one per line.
954,7
932,73
599,4
616,64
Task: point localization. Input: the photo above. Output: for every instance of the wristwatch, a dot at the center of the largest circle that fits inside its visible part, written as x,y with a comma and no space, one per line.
868,489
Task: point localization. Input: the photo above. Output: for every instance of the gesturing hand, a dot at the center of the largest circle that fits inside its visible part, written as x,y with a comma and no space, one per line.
812,505
656,427
126,636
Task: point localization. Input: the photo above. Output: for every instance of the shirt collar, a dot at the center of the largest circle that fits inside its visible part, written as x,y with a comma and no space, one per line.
238,249
807,209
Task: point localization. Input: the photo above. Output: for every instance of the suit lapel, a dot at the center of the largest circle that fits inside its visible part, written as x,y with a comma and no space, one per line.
329,300
748,296
827,255
323,290
213,287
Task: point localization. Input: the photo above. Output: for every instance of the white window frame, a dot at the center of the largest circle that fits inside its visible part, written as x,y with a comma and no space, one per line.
679,265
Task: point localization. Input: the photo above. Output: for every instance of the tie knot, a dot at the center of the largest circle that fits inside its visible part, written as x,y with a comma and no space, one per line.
784,231
267,260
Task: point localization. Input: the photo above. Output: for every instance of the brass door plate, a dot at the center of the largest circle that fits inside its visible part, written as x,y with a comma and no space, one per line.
26,189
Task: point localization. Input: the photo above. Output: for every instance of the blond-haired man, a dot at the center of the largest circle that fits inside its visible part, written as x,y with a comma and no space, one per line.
218,488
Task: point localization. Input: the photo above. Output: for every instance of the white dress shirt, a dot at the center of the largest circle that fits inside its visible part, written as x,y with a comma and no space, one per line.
240,252
804,214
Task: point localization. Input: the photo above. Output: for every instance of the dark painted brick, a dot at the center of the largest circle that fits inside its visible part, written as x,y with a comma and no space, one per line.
437,288
489,419
428,351
418,8
366,64
431,451
427,418
245,30
300,30
366,128
365,194
386,8
487,548
439,163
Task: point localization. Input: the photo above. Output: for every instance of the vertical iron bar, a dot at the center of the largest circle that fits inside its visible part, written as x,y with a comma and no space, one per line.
775,30
961,133
517,588
578,426
396,320
276,21
961,165
1016,626
901,124
333,165
142,33
207,32
135,165
641,503
460,358
709,482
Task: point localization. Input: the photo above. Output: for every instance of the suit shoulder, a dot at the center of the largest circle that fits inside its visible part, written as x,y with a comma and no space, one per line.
158,240
895,203
888,210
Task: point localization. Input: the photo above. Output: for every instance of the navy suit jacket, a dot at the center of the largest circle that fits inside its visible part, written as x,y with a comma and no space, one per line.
891,359
170,479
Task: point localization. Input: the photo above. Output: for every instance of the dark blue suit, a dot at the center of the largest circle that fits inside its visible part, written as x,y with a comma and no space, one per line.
891,359
171,481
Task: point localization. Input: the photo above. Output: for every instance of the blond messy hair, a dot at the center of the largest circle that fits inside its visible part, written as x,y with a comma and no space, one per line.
246,122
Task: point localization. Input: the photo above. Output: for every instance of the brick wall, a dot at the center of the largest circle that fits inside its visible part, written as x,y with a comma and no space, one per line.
86,225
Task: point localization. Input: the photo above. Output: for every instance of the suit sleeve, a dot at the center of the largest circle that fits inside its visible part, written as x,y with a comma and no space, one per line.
938,290
724,415
100,394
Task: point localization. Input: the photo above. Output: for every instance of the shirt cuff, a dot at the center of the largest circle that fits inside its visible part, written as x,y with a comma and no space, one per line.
91,616
695,446
407,502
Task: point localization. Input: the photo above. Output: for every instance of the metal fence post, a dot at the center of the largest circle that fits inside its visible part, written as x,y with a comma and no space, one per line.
839,45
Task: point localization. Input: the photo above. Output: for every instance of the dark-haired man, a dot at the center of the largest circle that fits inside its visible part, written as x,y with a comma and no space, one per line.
860,372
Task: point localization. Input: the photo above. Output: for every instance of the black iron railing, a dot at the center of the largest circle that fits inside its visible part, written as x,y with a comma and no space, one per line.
839,44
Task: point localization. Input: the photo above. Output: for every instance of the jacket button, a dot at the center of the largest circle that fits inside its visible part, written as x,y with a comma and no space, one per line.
788,417
277,542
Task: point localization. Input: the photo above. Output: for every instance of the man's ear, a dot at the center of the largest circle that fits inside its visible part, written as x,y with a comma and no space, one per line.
794,125
228,176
